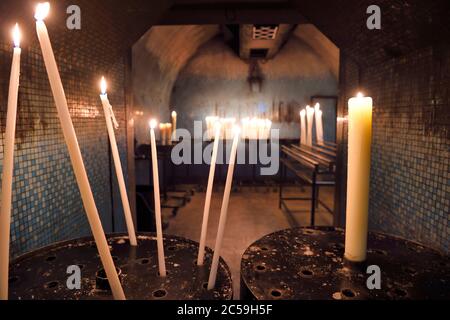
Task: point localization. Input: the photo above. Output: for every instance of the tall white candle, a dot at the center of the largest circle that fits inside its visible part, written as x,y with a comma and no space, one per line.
309,117
159,236
319,125
74,152
174,126
169,133
8,165
107,109
212,167
224,211
303,126
358,177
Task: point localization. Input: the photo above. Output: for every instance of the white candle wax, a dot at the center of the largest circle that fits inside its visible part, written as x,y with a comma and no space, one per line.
107,109
309,117
303,127
223,211
201,251
358,177
319,125
8,165
159,236
74,152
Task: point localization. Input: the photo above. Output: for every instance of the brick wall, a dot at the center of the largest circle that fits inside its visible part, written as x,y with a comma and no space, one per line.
46,202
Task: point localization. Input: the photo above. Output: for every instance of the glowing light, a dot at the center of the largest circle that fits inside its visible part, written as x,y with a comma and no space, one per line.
302,112
42,10
317,106
16,35
152,123
360,95
103,85
174,114
236,130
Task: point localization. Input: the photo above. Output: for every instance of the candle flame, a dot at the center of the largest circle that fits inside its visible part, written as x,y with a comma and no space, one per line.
42,10
16,35
302,112
103,85
236,130
174,114
360,95
317,106
152,123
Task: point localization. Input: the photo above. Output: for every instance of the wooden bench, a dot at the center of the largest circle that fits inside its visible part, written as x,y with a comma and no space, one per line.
313,167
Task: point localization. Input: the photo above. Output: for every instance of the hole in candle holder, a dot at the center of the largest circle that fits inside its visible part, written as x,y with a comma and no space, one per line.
410,270
308,231
13,279
205,285
306,273
400,293
101,280
348,293
50,258
260,268
264,249
144,261
276,293
51,284
115,258
158,294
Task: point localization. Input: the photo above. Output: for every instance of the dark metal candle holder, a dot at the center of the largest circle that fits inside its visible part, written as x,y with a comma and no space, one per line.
42,274
307,264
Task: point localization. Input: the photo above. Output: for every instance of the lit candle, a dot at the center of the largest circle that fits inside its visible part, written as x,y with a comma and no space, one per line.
159,236
74,151
201,251
309,117
109,116
303,126
8,165
358,177
174,126
224,210
319,126
162,133
169,133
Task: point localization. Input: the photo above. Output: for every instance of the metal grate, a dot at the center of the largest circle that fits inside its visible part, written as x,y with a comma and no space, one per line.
265,32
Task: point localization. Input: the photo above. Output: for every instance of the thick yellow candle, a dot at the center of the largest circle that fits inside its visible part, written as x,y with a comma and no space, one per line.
107,109
212,167
8,165
162,133
169,133
75,153
358,177
159,235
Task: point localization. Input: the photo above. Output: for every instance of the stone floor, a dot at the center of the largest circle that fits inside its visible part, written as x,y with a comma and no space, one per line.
252,214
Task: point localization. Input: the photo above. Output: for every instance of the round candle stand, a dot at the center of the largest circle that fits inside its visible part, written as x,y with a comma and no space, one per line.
48,273
307,264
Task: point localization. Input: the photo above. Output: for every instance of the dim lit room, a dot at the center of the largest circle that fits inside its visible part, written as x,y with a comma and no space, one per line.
224,150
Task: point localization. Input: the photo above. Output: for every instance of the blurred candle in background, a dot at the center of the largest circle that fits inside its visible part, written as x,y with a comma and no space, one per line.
303,127
358,177
309,117
319,125
107,109
8,165
174,126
